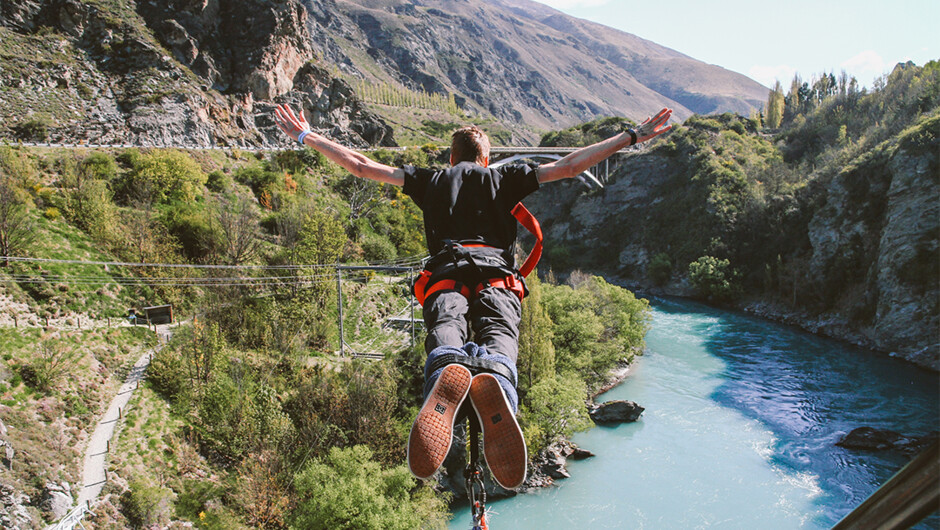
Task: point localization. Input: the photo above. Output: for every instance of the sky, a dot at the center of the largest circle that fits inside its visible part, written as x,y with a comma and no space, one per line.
774,40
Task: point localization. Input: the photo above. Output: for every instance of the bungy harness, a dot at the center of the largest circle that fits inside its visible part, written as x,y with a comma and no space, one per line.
425,285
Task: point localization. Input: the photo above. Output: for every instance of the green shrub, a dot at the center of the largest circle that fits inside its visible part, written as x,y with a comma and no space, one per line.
163,176
555,407
218,181
191,225
659,269
378,249
145,505
36,130
347,489
713,278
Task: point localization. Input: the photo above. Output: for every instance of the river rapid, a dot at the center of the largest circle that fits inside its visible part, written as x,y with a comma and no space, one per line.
742,416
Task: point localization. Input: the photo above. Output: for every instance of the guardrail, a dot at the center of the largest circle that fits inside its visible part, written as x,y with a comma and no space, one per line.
74,517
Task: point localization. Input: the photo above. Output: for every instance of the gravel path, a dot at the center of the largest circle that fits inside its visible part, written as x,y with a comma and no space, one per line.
94,476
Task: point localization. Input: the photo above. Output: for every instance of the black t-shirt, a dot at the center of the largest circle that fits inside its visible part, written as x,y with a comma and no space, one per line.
469,203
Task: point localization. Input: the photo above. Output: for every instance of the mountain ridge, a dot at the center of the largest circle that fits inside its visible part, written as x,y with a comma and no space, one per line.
207,73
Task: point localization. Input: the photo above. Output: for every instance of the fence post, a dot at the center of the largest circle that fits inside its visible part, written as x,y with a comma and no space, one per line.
411,303
339,303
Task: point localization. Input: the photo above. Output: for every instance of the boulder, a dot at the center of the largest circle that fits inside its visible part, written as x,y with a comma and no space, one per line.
56,499
872,439
618,411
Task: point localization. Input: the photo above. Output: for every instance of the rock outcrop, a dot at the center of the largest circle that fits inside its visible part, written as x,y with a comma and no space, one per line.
13,512
204,73
868,239
616,411
872,439
56,500
551,464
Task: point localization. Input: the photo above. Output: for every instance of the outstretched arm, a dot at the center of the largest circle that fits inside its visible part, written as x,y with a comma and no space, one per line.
573,164
358,164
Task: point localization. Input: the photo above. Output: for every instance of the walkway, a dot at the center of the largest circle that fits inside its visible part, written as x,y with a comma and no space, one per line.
95,475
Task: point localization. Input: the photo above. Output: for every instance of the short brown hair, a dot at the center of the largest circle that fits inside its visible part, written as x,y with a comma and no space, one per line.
470,144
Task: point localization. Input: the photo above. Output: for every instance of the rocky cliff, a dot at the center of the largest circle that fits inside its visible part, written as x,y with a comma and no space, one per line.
206,72
199,73
860,246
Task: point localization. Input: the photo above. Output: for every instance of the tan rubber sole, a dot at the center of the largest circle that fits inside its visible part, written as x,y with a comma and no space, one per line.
503,443
433,429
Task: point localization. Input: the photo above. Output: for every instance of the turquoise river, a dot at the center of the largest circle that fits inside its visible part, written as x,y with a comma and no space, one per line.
739,432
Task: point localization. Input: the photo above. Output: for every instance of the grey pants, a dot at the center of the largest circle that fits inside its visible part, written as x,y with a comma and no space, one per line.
494,316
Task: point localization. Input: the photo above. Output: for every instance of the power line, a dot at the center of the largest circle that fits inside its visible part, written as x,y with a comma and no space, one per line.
414,260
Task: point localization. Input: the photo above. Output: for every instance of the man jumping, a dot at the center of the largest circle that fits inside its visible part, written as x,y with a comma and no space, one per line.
470,278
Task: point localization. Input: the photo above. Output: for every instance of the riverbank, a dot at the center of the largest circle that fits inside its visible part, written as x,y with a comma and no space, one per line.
831,325
551,463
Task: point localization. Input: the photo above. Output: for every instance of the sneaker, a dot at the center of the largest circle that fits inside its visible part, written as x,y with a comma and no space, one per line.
503,443
433,429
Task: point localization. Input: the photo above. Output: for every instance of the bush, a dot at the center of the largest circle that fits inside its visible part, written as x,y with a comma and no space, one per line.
36,130
378,249
98,166
713,278
145,505
190,224
556,407
659,269
218,181
347,489
162,177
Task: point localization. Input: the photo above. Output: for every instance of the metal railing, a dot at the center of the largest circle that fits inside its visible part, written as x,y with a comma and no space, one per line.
906,498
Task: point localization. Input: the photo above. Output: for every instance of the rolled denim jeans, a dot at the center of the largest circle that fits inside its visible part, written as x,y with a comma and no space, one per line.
472,350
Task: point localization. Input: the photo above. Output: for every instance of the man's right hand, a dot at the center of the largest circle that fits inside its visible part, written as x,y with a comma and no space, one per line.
290,123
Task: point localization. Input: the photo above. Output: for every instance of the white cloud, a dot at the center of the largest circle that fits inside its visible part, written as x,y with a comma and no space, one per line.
569,4
766,75
868,62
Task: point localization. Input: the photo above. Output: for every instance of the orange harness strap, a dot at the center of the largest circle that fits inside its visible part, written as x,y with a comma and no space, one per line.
422,291
527,220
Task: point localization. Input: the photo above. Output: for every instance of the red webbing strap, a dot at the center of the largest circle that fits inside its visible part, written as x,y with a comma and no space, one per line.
510,283
422,291
527,220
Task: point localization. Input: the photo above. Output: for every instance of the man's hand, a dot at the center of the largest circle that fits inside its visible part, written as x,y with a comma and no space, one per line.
290,123
652,127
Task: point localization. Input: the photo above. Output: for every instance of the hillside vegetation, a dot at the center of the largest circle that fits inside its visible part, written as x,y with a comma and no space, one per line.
249,418
829,220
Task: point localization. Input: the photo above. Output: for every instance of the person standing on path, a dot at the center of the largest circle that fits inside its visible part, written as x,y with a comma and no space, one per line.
472,279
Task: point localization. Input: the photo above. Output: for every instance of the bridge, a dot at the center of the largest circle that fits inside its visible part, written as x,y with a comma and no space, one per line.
594,177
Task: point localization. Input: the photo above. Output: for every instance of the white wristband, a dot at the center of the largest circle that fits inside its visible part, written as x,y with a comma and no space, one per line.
303,134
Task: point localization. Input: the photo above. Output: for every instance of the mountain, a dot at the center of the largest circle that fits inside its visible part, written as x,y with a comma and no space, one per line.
521,61
203,72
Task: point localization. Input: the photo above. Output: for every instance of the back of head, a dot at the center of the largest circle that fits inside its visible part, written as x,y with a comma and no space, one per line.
469,144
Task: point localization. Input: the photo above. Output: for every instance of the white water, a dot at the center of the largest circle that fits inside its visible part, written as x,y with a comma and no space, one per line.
741,417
